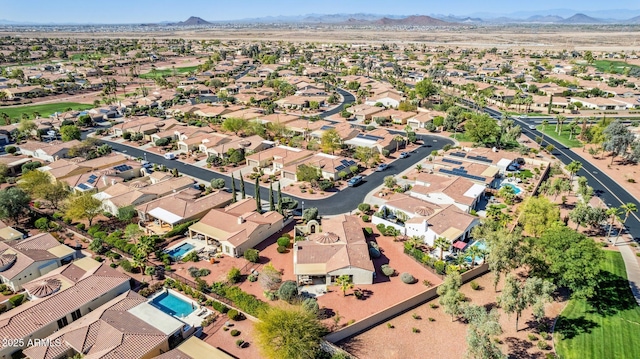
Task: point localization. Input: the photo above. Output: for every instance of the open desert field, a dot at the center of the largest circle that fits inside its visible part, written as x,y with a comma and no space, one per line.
603,38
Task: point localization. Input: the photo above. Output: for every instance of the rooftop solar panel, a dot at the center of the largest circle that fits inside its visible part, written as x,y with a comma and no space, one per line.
451,161
459,154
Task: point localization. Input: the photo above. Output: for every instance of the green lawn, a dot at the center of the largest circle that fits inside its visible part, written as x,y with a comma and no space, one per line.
461,136
612,66
44,110
167,72
549,131
608,326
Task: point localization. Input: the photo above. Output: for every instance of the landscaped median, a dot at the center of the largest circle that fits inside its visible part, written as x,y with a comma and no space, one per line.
606,326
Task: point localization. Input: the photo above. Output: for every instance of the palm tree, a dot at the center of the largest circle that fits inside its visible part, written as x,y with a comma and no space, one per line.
613,213
627,209
573,168
544,124
474,252
443,244
398,139
344,282
559,122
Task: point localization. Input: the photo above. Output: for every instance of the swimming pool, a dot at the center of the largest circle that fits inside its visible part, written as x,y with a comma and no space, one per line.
179,251
516,189
479,259
173,305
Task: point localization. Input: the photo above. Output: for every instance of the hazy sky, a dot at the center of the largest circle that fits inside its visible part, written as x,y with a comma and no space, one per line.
136,11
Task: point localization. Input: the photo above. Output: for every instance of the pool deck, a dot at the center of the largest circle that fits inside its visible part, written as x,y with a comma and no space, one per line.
197,245
196,317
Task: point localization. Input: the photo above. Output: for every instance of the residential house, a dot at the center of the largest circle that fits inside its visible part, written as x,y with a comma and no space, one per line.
387,98
249,145
27,259
277,158
59,299
237,227
14,163
379,139
48,152
194,348
420,120
441,190
127,326
364,112
161,215
340,249
329,166
415,217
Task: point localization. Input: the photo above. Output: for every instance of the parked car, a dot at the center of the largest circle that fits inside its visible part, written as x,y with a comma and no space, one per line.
170,156
532,127
404,154
381,167
354,181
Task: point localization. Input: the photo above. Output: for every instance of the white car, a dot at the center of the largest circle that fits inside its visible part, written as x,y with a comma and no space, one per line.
532,127
170,156
382,167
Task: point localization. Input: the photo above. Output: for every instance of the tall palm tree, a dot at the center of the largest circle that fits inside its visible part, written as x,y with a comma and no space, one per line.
627,209
559,122
573,168
544,124
474,252
613,213
443,244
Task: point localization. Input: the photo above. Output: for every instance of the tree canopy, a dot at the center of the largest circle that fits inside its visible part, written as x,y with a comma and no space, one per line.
84,206
538,213
14,203
291,333
482,129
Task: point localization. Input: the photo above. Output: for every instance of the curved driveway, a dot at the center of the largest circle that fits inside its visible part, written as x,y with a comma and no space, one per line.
343,202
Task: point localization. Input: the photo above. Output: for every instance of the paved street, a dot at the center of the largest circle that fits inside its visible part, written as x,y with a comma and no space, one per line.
342,202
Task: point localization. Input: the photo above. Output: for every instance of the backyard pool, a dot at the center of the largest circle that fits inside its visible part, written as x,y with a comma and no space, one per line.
481,245
516,189
179,251
173,305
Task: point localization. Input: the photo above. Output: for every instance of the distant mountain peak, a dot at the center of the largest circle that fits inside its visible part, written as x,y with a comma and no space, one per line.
581,19
193,20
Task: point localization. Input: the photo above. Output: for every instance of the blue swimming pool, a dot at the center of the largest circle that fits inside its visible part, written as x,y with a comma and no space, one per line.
481,245
173,305
179,251
516,189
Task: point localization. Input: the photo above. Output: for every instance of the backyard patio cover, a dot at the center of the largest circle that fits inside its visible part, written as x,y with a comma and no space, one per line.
460,245
165,216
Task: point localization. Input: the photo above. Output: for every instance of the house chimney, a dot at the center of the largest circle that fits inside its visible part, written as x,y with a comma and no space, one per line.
104,180
113,182
240,220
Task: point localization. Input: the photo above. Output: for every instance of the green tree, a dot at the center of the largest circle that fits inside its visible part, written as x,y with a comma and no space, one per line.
482,327
35,183
450,296
14,203
345,283
365,155
270,278
279,198
291,333
617,139
443,244
482,129
506,252
234,125
234,275
613,213
26,127
242,192
330,141
70,132
233,189
537,214
133,232
257,195
573,167
127,213
217,183
627,209
567,257
307,173
425,89
390,181
84,206
517,296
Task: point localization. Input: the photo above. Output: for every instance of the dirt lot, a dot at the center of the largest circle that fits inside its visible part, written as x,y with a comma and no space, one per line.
543,37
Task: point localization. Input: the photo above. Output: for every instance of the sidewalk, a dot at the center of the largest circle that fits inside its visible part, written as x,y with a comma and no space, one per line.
633,268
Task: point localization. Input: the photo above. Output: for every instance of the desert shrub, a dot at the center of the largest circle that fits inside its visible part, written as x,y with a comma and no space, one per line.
543,345
234,314
234,333
387,270
366,218
100,235
217,183
42,224
439,266
98,258
368,231
474,285
545,335
16,300
219,307
390,326
126,265
284,241
311,305
11,149
415,330
252,255
198,272
281,249
240,343
190,257
162,142
407,278
364,207
288,291
179,229
532,337
80,226
234,275
58,215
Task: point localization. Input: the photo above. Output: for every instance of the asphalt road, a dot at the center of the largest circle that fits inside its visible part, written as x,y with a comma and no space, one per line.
348,98
604,187
342,202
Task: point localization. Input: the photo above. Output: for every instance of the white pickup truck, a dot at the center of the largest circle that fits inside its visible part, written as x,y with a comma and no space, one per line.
170,156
